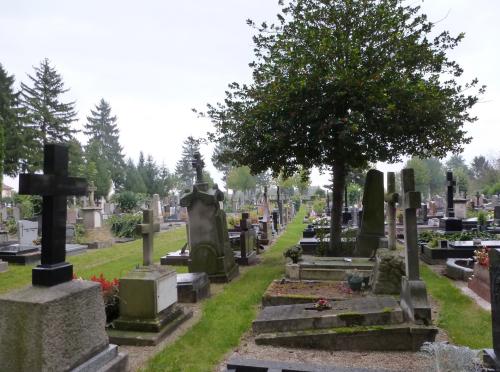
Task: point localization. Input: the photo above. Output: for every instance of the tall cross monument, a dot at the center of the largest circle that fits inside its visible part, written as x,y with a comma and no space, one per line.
147,229
198,164
54,186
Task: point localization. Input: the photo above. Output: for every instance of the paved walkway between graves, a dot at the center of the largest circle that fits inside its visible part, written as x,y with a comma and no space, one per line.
226,316
112,262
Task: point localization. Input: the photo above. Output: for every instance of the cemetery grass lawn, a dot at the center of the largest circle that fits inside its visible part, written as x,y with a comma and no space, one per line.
113,262
463,320
228,315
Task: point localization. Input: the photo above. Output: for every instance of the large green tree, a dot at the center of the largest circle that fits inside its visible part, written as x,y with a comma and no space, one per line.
102,129
47,117
343,83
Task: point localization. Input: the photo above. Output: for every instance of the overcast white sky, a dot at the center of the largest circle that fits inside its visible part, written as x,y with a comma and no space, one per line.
156,60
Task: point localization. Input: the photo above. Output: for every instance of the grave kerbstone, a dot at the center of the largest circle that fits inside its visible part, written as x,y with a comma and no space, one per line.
372,223
414,301
209,247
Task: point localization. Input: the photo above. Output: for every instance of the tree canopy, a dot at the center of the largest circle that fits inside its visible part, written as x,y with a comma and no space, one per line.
341,83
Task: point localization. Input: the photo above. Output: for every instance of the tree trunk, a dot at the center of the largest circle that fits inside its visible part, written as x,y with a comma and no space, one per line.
339,173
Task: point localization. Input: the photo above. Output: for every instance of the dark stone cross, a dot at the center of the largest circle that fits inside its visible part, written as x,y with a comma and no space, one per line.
147,229
450,187
54,186
198,164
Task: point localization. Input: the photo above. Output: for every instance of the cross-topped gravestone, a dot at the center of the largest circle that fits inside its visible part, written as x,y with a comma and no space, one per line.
411,201
147,230
198,164
91,189
54,186
450,186
391,197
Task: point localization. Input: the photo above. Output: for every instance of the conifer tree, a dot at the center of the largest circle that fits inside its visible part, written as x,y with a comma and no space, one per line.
184,170
102,130
48,119
133,180
12,150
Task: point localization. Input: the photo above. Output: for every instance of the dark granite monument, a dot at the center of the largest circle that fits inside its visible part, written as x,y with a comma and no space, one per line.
66,318
248,243
192,287
449,223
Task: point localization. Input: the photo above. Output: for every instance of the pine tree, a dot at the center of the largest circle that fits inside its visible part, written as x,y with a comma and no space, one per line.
133,180
47,118
184,169
102,180
12,149
102,130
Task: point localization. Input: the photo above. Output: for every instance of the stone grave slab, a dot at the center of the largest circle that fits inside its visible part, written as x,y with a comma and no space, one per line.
192,287
454,249
21,255
75,249
177,258
254,365
327,268
366,311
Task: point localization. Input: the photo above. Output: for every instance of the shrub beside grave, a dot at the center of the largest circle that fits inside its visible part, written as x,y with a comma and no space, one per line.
124,225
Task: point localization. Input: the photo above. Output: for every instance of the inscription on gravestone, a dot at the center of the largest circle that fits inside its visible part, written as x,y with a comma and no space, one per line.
54,186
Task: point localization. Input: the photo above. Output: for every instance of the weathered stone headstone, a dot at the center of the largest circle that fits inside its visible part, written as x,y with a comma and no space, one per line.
372,223
496,213
209,247
492,356
248,241
275,216
4,266
148,297
392,198
414,300
97,233
71,216
16,213
58,324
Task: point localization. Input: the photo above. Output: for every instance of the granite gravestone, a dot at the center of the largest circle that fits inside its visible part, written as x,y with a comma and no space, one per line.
156,206
392,198
148,297
372,219
414,300
450,223
209,247
248,242
58,324
492,356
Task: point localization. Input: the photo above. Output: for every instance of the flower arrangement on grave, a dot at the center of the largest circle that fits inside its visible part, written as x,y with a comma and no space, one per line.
322,304
37,241
482,257
294,253
110,290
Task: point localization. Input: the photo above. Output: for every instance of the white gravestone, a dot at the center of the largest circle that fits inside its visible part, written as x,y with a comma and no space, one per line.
27,231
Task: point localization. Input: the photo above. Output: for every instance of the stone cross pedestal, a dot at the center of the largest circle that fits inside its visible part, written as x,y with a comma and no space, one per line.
414,300
147,230
148,297
58,324
392,198
54,186
492,356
